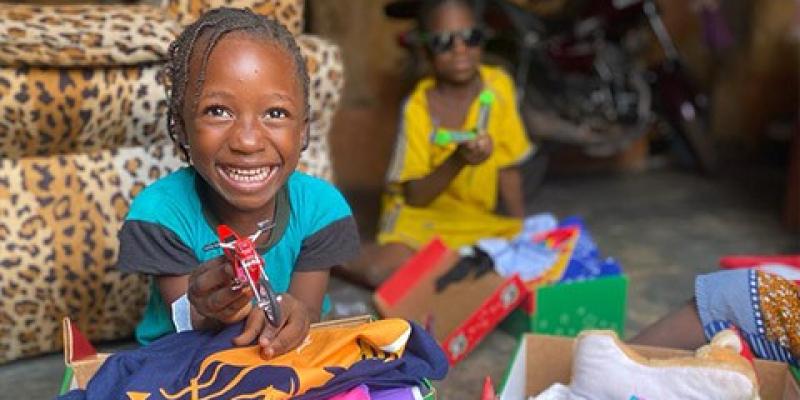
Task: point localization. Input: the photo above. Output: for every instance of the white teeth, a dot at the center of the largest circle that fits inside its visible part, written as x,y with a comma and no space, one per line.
249,175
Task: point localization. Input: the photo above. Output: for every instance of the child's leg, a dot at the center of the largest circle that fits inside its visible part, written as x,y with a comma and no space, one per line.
376,263
765,308
681,329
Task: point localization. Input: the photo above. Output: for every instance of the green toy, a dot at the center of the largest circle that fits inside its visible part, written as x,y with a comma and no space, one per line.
485,99
443,137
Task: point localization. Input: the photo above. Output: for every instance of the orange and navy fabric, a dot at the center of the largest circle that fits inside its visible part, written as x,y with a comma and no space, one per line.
764,307
197,365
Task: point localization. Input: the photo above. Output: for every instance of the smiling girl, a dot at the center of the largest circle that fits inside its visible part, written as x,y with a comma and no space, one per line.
238,109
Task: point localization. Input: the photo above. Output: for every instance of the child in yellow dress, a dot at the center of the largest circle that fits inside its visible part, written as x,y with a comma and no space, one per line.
450,191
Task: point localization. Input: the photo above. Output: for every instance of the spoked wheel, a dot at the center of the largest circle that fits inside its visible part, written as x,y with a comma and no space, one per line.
269,302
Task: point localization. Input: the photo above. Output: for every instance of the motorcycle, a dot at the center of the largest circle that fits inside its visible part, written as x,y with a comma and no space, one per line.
581,80
249,268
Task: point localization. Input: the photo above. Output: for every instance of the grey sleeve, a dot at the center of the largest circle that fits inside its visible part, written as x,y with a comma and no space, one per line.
330,246
150,248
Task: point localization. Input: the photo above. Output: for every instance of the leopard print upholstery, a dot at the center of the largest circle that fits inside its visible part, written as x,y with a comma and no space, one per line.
288,12
93,35
326,73
69,36
47,110
76,145
59,110
58,221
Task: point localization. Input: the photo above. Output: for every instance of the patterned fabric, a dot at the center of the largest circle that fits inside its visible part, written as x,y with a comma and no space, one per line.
84,35
765,308
47,111
93,35
780,309
326,74
58,221
287,12
50,111
384,354
464,211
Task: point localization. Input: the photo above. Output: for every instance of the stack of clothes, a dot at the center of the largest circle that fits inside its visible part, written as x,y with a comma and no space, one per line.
547,251
390,360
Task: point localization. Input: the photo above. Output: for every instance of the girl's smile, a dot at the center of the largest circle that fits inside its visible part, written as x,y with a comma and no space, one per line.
248,178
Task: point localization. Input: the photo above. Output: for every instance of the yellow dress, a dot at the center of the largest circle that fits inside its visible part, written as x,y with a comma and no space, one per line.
463,212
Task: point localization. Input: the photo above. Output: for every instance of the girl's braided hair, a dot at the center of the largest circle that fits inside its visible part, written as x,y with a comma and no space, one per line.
212,26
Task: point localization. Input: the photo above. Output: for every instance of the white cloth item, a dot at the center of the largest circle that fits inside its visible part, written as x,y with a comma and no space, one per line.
601,370
558,392
522,255
466,251
528,259
539,223
182,314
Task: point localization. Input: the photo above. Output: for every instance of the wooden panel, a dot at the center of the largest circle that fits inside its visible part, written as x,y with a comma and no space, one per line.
377,80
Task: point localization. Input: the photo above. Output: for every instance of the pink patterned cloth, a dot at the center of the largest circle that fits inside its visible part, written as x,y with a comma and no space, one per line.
406,393
360,392
363,393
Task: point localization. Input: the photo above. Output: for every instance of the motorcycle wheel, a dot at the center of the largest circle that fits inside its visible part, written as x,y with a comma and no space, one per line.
595,135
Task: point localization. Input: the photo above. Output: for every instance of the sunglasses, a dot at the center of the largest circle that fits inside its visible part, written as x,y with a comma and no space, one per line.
441,42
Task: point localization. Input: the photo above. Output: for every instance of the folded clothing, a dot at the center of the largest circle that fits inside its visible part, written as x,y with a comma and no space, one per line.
386,354
362,392
550,251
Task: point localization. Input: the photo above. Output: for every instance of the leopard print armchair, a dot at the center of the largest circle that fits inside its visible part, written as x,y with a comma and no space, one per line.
82,131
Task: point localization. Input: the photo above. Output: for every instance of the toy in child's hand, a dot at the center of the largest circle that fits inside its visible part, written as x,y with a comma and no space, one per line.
485,99
249,268
443,137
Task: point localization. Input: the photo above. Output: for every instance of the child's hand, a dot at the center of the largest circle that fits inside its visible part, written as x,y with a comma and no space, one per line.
293,329
211,296
476,151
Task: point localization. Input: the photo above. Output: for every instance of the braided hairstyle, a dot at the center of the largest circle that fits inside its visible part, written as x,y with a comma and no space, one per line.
211,27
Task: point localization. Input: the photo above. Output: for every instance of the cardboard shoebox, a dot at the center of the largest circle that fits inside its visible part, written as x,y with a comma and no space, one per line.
542,360
580,290
459,307
80,357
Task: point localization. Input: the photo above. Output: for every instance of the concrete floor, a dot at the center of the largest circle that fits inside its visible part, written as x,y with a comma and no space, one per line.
665,226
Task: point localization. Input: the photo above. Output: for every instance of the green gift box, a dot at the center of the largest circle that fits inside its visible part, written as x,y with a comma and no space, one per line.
565,309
